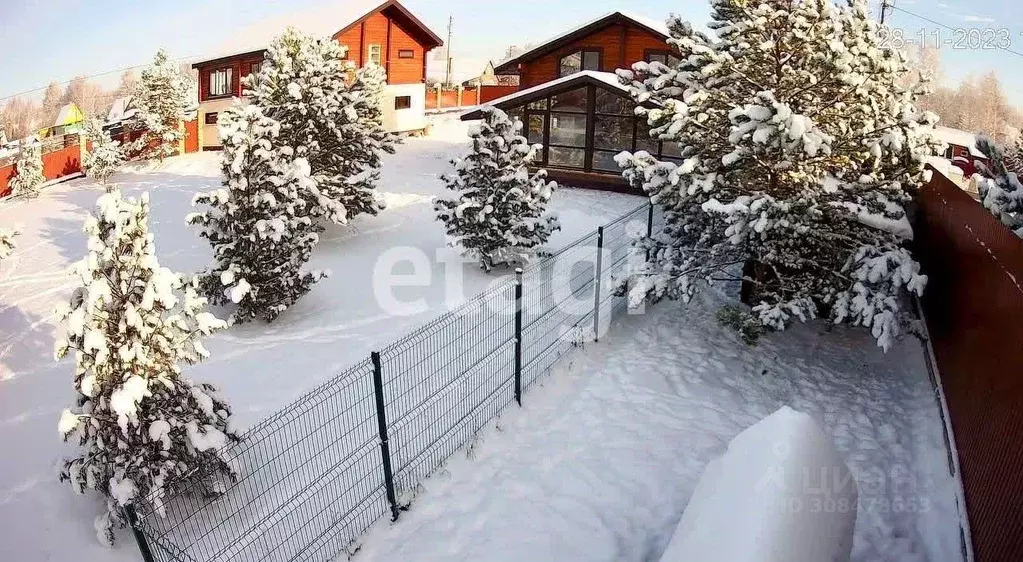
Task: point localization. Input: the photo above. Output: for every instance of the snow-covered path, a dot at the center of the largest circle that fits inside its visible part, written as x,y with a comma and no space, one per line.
601,462
259,368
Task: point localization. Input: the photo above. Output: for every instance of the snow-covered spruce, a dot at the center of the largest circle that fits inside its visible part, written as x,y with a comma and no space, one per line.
162,96
7,236
329,114
1002,193
259,224
104,155
28,166
798,151
131,324
498,216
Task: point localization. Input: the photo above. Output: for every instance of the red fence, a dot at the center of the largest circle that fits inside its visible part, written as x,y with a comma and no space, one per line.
61,157
974,309
469,96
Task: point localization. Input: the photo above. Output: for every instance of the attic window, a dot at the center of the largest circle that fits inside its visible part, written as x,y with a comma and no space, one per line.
220,82
375,54
586,59
406,54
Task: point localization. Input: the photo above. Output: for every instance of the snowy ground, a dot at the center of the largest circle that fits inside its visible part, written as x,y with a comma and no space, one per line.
601,462
260,368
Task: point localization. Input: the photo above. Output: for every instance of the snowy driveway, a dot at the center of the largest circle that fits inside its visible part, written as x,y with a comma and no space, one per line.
602,460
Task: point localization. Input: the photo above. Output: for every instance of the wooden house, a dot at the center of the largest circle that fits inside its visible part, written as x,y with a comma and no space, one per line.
572,103
377,31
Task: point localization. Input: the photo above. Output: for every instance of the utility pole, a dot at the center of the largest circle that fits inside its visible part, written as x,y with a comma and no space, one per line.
886,5
447,74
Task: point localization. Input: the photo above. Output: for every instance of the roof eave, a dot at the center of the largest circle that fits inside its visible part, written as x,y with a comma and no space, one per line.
511,66
225,58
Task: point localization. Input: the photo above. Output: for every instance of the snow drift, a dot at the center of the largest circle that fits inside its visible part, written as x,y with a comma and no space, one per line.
781,493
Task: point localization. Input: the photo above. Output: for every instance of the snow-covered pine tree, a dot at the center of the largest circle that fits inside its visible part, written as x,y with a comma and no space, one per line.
28,178
162,96
498,216
131,324
259,223
7,236
797,153
104,155
327,115
1002,193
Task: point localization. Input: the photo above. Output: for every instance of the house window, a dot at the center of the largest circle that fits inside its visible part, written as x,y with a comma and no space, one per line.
402,102
406,54
667,58
585,59
220,82
211,118
374,54
255,67
585,128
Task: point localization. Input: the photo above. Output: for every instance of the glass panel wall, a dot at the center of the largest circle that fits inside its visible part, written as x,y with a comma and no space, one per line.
585,128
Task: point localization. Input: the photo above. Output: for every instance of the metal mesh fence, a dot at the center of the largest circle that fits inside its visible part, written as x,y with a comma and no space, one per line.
316,475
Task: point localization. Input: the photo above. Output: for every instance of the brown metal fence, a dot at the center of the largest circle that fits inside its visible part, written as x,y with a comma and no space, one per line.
974,309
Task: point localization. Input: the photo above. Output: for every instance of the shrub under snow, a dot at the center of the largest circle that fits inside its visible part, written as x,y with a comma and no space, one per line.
499,215
1002,194
259,224
105,154
798,152
28,179
131,323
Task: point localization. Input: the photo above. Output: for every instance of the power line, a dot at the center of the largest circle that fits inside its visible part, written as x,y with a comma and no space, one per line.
89,77
949,28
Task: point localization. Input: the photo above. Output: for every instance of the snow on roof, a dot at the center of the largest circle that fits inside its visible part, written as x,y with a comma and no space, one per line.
69,114
120,110
958,137
323,19
660,27
609,78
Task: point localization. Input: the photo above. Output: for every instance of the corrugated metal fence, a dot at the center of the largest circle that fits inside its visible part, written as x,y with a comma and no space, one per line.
974,309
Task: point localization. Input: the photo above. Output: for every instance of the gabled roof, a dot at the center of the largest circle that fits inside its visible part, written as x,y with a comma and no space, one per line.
122,109
69,115
606,80
958,137
330,19
576,33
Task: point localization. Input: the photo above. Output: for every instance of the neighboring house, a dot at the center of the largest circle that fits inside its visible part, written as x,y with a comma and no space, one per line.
69,120
490,78
385,33
122,109
583,121
615,40
961,152
571,101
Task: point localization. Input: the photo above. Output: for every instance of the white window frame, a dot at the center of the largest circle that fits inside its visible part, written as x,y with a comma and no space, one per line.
228,87
376,51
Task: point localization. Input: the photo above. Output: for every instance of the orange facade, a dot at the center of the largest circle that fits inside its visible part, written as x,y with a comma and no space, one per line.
401,54
620,46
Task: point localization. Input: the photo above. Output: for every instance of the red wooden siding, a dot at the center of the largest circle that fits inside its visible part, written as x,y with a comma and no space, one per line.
491,93
240,66
378,29
622,46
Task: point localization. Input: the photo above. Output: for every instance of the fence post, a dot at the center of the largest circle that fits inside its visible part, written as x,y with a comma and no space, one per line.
136,530
596,284
649,228
385,450
518,335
